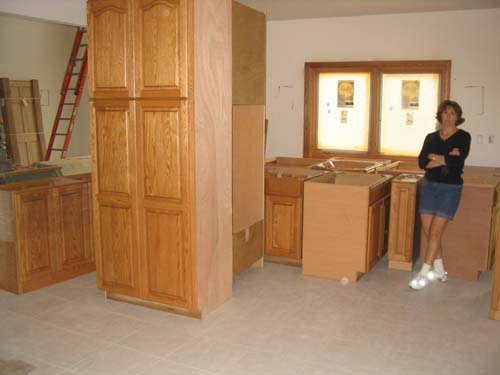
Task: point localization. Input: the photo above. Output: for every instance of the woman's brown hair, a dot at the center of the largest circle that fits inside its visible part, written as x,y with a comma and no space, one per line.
450,103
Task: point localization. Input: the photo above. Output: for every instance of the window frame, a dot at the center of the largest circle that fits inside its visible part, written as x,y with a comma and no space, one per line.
376,69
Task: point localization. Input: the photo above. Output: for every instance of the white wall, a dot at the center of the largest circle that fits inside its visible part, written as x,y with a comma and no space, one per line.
471,39
40,50
72,12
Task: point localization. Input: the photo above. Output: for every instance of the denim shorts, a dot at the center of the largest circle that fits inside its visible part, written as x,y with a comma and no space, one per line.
439,199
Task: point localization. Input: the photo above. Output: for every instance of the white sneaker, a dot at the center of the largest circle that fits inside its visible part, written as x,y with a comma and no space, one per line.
418,282
436,275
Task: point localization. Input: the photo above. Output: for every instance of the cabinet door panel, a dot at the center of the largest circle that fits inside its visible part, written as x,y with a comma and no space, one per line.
283,226
117,248
113,131
110,48
377,225
402,222
161,48
164,201
114,188
167,257
36,240
74,217
162,128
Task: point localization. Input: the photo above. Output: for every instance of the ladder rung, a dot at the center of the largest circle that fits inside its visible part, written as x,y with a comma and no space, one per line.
65,118
57,149
75,74
61,133
79,59
69,103
71,88
83,45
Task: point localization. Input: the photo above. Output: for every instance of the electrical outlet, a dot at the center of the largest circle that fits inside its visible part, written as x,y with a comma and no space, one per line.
479,139
491,139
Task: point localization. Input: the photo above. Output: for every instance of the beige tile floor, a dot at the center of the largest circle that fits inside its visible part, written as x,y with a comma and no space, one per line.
278,322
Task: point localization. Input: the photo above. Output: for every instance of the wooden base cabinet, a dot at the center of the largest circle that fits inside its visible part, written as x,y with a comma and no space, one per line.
345,224
404,228
47,233
284,190
161,151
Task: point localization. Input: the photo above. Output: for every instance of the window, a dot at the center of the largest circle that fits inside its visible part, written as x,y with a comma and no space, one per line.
341,124
379,109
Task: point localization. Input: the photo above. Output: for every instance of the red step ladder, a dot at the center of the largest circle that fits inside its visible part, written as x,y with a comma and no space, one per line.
77,87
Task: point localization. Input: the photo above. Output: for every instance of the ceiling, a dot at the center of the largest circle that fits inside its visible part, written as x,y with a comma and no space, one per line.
295,9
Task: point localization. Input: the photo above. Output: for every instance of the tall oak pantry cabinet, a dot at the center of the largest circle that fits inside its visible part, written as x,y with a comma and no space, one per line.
160,89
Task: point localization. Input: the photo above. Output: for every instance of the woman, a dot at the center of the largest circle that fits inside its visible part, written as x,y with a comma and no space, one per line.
442,156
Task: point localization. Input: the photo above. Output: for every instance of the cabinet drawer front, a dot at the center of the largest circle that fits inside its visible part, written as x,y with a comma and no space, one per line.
284,186
161,46
110,48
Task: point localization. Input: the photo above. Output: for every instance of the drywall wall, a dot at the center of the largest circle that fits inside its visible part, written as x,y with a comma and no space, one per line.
40,50
471,39
71,12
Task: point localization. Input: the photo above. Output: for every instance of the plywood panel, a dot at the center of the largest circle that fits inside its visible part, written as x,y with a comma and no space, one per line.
212,113
110,48
466,240
335,230
248,247
161,48
248,166
249,55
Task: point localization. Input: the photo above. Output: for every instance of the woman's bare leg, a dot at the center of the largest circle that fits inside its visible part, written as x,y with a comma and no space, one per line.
435,233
